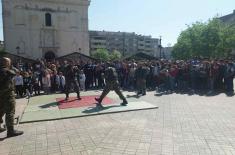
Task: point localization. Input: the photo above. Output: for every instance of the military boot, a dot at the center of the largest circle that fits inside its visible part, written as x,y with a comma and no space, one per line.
2,129
67,97
12,133
124,103
78,96
99,102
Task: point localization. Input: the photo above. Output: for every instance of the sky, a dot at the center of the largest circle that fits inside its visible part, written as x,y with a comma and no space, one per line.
166,18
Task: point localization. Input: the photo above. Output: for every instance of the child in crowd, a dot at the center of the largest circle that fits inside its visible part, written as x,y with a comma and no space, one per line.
18,79
31,83
36,83
61,82
54,81
82,79
27,84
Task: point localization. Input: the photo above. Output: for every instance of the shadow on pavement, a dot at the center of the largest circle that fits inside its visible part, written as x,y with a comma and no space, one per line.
2,139
49,105
133,96
98,109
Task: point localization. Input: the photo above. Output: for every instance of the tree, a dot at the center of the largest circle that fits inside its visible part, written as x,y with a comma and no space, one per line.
115,55
101,54
212,39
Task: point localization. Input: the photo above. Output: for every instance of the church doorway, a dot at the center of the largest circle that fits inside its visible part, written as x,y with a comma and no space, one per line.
49,56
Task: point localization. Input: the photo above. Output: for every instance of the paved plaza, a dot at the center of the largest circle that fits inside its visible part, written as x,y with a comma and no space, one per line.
182,125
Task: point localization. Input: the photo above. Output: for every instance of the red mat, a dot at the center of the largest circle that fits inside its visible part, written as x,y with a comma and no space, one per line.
86,101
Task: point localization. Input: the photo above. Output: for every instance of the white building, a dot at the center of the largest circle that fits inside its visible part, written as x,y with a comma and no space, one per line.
45,28
124,42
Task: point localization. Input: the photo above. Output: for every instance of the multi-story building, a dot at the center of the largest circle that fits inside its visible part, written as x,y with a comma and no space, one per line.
230,19
167,52
125,43
45,28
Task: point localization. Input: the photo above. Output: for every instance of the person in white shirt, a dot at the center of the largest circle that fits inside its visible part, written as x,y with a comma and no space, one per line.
18,79
82,79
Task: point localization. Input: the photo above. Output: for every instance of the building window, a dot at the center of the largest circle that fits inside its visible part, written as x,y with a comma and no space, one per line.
48,19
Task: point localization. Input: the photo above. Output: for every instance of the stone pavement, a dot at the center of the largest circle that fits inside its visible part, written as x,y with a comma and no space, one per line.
183,125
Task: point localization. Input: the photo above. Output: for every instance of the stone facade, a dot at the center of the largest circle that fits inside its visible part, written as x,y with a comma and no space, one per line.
45,28
126,43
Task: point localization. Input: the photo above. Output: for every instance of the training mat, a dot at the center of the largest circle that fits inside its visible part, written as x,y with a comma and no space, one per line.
46,108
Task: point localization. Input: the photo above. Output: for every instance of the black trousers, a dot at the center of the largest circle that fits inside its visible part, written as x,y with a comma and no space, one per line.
68,87
19,90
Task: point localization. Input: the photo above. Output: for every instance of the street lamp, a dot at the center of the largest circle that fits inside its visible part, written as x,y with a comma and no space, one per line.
160,46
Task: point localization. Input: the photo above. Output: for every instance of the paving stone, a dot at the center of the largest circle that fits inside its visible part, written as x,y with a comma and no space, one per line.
182,125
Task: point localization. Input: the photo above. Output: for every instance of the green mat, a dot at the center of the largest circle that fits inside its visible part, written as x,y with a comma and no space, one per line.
36,110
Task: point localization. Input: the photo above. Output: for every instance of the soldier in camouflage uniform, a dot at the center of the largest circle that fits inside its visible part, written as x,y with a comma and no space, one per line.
7,97
71,78
111,79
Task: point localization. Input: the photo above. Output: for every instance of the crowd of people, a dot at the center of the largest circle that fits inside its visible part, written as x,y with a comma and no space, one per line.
164,76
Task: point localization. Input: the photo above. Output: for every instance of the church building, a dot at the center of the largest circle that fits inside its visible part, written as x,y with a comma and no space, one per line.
45,28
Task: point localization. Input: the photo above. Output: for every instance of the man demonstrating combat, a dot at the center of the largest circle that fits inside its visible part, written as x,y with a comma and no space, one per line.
71,77
7,97
111,79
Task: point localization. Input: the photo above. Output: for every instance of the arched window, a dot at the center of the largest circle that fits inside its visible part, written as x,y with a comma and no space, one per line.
48,19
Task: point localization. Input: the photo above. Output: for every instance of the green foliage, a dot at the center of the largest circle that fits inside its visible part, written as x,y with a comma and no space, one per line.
213,39
104,55
101,54
115,55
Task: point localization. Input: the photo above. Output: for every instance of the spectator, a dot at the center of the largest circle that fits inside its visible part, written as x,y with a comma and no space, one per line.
82,79
46,81
61,82
27,84
18,79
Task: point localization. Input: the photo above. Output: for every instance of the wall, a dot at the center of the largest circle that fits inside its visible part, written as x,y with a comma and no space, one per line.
24,27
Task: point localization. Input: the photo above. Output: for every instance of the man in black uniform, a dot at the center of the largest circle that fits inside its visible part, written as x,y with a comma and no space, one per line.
71,77
7,97
111,79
